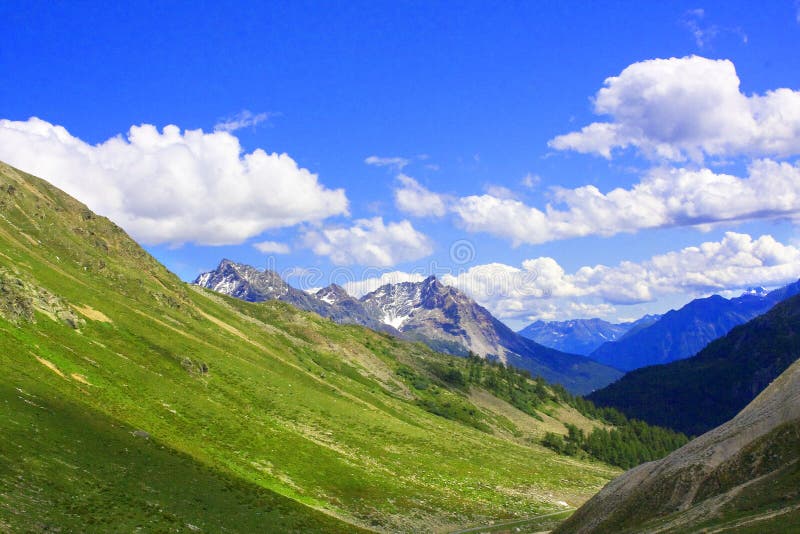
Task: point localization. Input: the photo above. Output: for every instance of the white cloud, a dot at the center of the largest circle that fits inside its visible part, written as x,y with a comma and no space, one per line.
688,108
664,198
394,162
705,32
560,311
540,287
531,180
172,186
243,119
370,242
272,247
499,191
416,200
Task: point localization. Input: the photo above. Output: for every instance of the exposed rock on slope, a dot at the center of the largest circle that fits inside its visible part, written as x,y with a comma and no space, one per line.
447,319
254,285
744,472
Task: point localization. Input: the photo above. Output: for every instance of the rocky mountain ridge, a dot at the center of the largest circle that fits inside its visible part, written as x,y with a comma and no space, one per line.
440,316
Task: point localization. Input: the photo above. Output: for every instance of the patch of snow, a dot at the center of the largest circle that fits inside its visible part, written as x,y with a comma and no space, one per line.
396,322
226,286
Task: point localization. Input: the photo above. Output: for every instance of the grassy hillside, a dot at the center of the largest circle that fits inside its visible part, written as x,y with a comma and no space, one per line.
132,399
699,393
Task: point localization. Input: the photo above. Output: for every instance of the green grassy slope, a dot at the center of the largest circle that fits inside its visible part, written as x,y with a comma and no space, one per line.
255,415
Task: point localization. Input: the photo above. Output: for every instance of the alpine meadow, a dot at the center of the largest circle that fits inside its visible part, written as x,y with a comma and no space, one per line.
400,267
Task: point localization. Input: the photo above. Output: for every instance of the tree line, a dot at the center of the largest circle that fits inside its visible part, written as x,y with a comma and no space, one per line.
624,443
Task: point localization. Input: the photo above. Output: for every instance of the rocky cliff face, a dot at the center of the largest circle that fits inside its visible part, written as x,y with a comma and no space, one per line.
433,312
445,318
744,472
253,285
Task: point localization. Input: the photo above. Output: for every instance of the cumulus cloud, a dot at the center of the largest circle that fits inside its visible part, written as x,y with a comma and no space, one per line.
664,198
243,119
688,108
272,247
541,288
173,186
499,191
393,162
370,242
416,200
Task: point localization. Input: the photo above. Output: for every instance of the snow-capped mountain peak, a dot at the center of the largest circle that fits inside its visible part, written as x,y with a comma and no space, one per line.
756,291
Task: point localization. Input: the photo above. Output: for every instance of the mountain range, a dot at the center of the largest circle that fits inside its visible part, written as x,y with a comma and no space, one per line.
254,285
440,316
684,332
696,394
581,336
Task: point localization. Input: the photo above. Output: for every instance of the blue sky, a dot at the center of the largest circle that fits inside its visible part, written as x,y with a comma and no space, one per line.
460,107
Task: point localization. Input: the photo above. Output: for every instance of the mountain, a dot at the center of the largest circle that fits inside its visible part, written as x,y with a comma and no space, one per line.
440,316
130,400
250,284
446,319
580,336
254,285
640,324
682,333
743,476
701,392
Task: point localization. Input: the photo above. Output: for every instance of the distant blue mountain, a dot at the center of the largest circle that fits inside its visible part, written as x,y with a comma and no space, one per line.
682,333
696,394
581,336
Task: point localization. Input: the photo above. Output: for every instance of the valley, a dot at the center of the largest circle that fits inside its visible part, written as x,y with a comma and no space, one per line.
400,267
115,368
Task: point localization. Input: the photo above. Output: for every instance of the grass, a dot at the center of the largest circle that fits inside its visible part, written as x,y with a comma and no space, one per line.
256,414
